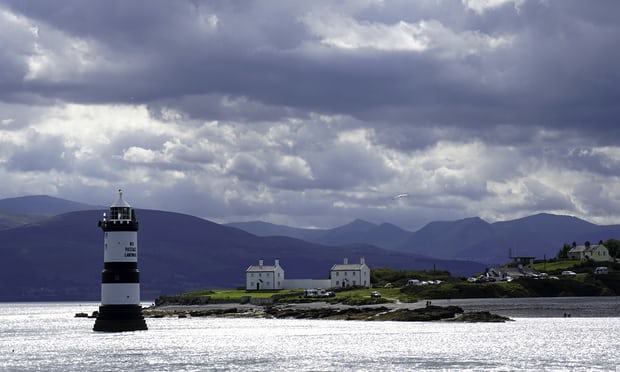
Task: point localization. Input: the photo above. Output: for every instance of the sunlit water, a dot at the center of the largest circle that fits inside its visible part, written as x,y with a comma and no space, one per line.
47,337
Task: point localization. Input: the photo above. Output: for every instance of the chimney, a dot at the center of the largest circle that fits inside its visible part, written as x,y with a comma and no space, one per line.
260,262
346,261
277,262
362,261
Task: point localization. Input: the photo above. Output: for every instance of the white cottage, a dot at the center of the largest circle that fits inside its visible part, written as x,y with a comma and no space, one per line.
594,252
349,275
262,276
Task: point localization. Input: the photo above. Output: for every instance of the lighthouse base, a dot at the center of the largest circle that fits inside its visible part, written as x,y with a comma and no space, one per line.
120,318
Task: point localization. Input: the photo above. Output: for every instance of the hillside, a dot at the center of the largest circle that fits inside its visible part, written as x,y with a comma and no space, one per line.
386,235
24,210
41,204
474,239
61,257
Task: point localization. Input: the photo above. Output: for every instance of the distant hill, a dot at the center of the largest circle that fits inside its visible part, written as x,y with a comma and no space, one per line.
260,228
386,235
471,239
61,257
10,220
41,205
30,209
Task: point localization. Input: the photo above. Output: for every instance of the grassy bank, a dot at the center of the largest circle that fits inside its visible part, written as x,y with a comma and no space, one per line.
392,287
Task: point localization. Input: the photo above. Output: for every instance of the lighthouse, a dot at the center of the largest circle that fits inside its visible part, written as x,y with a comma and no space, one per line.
120,308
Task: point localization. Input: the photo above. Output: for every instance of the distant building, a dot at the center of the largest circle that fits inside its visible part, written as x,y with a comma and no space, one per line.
594,252
349,275
264,276
523,260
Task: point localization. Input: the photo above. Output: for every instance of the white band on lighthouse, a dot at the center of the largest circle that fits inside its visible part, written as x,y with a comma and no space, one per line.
120,293
120,246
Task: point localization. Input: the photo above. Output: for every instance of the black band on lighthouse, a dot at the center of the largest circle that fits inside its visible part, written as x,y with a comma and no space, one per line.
120,276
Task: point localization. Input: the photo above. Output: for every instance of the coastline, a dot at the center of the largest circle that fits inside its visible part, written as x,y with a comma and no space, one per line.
529,307
324,310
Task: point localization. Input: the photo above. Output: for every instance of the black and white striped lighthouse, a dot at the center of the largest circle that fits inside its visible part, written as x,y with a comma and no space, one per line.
120,308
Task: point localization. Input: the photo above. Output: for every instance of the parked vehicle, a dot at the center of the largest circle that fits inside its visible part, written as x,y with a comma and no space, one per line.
320,292
413,282
568,273
375,294
601,270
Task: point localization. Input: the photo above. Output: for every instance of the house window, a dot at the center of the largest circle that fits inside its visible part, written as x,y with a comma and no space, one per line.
337,274
337,283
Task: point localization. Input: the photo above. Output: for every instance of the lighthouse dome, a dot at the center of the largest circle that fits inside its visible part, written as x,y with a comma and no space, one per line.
120,210
120,202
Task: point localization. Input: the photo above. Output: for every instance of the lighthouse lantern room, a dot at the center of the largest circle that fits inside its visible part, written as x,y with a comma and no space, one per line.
120,308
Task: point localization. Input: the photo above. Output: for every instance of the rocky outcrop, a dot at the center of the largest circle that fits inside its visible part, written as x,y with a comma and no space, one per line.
368,313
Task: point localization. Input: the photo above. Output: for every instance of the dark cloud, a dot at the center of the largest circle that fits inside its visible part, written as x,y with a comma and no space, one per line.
317,111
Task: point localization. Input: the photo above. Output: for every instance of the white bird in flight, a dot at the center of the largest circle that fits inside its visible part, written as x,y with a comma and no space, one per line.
399,196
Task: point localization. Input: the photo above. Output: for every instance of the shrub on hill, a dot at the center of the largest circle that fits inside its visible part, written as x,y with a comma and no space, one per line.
398,278
465,290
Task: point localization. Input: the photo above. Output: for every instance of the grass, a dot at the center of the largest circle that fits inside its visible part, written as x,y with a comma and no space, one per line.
235,294
342,295
555,266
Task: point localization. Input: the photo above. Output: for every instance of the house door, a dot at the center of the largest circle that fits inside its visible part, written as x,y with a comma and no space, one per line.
257,286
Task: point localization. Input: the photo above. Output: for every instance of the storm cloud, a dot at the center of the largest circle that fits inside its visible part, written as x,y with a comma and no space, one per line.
315,113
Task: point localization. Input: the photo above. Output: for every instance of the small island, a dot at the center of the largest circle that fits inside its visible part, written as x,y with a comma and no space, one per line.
350,304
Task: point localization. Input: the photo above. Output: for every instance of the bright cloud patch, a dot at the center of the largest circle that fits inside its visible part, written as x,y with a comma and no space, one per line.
345,32
481,6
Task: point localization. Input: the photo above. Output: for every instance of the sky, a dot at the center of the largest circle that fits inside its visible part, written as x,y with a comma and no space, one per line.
315,113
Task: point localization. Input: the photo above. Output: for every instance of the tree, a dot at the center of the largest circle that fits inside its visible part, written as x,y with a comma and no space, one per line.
563,253
613,246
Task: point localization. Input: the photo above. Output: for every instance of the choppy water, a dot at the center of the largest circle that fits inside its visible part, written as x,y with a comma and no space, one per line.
47,337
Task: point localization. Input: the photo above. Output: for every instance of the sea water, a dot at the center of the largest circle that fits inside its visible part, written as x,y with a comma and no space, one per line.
47,337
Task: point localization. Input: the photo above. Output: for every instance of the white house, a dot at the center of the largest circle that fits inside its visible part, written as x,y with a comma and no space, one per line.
594,252
262,276
348,275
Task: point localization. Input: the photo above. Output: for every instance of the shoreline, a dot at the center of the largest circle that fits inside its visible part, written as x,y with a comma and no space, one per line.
324,310
530,307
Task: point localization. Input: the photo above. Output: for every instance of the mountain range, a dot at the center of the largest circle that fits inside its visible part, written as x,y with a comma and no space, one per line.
471,239
51,248
60,256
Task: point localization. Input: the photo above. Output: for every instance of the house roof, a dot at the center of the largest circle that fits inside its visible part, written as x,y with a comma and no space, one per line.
584,249
261,269
338,267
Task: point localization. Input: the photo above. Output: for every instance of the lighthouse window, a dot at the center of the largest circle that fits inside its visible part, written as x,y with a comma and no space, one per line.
121,213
